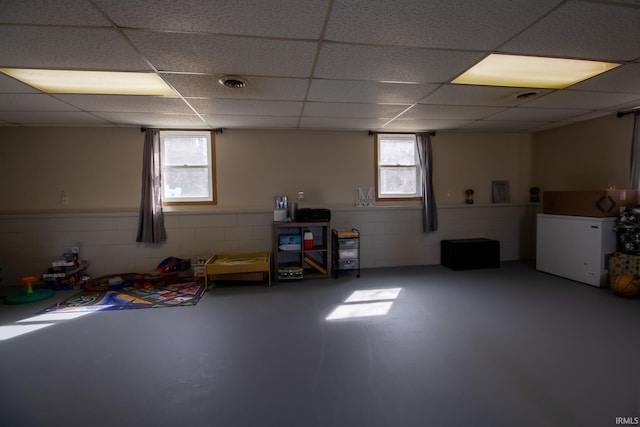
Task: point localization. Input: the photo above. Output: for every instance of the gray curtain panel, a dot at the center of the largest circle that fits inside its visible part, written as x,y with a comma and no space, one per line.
429,208
151,220
634,178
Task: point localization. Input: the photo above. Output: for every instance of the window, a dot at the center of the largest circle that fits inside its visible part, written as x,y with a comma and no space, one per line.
397,167
188,167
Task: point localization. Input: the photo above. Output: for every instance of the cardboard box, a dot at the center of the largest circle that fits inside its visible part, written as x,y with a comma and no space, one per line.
596,203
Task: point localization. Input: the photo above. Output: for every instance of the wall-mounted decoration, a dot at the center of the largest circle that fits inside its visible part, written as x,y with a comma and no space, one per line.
364,199
468,196
534,194
500,192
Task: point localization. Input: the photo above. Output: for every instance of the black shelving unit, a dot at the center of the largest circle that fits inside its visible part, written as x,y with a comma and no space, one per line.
290,257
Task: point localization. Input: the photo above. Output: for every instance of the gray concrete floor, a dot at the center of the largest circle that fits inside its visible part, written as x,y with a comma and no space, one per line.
495,347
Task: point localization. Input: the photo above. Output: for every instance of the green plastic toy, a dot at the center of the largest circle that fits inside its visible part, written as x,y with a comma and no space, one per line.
30,294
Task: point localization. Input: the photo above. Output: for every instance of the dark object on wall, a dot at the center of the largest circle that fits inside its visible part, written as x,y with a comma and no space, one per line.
313,215
470,254
500,192
469,196
534,194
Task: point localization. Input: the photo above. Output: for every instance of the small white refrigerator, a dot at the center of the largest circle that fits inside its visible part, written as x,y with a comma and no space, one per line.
575,247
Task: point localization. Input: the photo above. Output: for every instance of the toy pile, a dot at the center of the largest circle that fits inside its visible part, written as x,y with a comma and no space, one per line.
624,265
628,232
65,273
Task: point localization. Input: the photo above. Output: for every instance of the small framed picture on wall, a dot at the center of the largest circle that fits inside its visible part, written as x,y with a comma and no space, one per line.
500,192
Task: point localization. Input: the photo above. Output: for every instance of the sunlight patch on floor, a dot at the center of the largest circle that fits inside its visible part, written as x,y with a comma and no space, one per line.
34,323
365,303
350,311
11,331
374,295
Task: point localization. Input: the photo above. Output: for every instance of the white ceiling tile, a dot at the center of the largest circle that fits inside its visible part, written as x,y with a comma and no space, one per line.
506,126
583,29
11,85
273,18
58,12
587,116
478,95
79,48
367,91
403,125
214,54
629,2
623,79
433,23
261,88
574,99
52,118
32,102
246,107
634,104
536,114
341,123
127,104
545,127
248,122
277,45
373,111
152,119
397,64
450,112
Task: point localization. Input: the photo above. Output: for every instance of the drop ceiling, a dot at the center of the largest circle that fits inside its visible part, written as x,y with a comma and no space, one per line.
317,64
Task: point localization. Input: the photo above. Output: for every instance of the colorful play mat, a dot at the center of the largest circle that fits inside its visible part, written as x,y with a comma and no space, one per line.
131,297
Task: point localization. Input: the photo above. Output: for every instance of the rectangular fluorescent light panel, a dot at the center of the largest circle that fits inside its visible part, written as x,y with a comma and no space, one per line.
92,82
531,71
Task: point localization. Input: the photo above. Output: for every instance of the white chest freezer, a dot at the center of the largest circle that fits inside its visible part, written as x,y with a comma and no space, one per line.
575,247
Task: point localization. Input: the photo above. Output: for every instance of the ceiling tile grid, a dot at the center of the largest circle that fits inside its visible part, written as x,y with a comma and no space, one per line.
321,64
246,107
367,91
59,12
354,110
258,88
443,24
214,54
20,102
392,63
67,48
274,18
583,29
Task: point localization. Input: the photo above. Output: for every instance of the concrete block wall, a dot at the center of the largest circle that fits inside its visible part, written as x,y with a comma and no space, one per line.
390,236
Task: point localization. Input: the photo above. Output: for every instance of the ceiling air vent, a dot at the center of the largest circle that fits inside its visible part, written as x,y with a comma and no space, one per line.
234,82
526,95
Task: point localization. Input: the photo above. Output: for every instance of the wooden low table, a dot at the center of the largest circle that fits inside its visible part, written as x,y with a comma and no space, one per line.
238,266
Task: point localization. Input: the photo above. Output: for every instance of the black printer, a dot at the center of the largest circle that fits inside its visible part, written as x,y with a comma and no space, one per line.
313,215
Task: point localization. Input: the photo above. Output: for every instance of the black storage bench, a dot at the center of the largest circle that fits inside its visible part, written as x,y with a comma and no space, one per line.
470,254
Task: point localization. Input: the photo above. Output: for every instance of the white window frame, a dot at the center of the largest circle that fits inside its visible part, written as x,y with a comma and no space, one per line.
210,166
380,196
